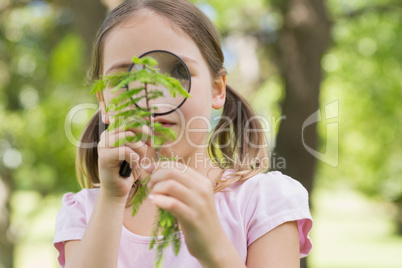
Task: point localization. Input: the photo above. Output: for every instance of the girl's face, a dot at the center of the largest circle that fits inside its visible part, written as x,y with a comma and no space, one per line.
147,31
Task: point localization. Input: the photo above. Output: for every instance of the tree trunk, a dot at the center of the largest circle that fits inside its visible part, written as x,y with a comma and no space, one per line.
6,241
304,38
89,15
398,203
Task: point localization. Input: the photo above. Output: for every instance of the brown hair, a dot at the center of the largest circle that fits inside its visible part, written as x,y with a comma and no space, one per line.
230,131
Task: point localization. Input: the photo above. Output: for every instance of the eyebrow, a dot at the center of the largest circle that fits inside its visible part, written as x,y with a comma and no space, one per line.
126,65
119,65
187,59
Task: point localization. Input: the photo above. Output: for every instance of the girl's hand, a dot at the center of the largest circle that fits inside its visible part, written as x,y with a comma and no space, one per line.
189,196
110,158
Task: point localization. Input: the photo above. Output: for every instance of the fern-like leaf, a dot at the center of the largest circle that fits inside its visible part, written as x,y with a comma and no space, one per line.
135,118
141,194
168,225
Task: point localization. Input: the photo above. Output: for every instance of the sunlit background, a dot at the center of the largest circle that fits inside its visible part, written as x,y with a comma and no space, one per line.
274,50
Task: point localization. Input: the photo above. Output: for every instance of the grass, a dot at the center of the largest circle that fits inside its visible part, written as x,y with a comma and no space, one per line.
354,232
350,231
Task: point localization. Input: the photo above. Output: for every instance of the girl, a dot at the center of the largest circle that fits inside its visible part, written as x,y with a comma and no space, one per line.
230,213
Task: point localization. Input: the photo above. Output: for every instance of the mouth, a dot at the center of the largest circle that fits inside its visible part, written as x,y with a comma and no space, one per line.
167,125
164,122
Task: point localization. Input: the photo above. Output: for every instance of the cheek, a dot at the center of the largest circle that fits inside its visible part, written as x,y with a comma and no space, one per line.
197,112
197,109
201,101
108,96
197,125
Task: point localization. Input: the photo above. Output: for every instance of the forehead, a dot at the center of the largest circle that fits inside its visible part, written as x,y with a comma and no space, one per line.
145,32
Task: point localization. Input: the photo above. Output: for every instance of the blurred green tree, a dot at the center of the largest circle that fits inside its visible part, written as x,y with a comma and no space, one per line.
43,60
293,36
275,51
363,70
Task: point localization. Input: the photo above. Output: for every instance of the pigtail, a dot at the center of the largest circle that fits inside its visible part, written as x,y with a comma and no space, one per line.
86,163
237,141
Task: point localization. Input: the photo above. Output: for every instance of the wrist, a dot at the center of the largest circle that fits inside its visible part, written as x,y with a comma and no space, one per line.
222,255
112,199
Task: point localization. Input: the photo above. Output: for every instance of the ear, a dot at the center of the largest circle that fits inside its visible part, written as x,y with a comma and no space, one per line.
219,92
105,117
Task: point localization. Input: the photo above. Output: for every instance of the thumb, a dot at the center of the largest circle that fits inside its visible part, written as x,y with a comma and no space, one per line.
148,166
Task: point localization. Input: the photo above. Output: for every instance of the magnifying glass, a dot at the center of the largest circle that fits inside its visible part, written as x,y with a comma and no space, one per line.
172,65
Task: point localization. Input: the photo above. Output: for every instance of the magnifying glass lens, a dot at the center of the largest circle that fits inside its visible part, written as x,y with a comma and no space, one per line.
168,64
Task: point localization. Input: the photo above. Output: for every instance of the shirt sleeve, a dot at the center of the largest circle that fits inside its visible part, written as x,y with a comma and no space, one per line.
274,199
71,222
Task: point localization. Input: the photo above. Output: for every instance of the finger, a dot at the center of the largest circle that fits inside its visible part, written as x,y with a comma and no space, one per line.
144,129
182,174
133,156
113,156
174,189
168,171
180,210
112,139
141,147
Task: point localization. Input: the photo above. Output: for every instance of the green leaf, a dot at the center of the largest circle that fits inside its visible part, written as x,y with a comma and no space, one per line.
165,131
139,112
158,140
149,61
128,139
154,94
98,86
126,96
141,194
124,79
135,124
115,124
169,227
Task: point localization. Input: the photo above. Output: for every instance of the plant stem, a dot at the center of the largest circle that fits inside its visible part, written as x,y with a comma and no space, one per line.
150,124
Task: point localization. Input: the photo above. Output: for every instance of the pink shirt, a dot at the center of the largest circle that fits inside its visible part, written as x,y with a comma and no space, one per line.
247,210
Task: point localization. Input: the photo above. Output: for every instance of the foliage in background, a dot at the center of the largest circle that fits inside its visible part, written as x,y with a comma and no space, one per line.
42,70
42,74
43,61
364,73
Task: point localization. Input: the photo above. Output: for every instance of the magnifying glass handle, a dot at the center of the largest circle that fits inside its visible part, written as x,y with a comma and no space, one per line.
125,169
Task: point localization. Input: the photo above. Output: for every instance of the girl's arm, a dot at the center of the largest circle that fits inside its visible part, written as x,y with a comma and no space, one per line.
100,244
99,247
277,248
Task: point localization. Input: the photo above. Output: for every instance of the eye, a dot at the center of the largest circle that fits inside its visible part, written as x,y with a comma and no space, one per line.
179,71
